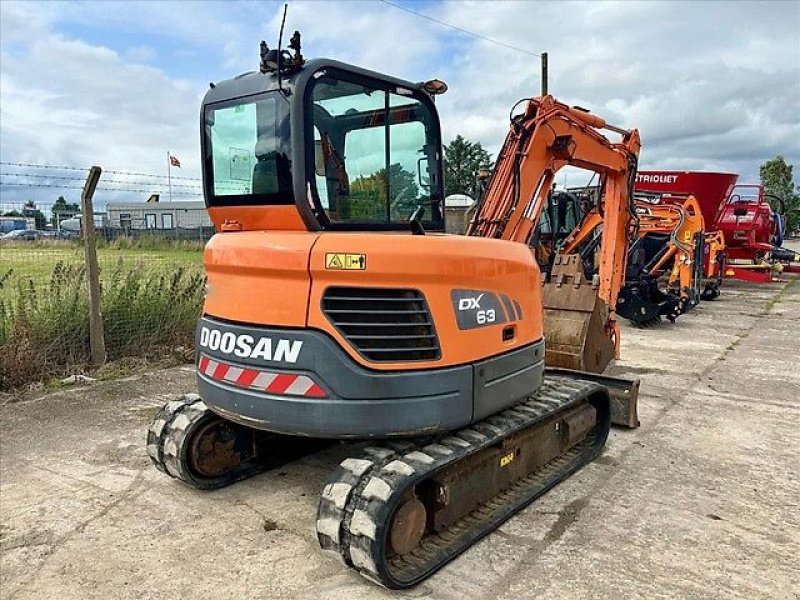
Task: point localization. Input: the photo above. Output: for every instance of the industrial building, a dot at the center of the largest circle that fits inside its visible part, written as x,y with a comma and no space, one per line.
137,216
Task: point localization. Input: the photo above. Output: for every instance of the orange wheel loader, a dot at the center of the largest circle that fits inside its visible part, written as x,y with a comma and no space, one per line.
336,308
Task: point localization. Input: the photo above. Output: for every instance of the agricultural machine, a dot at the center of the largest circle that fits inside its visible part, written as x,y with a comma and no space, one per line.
666,273
750,221
753,223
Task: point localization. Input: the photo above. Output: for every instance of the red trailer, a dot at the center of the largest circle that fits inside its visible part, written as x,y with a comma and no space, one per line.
710,189
751,227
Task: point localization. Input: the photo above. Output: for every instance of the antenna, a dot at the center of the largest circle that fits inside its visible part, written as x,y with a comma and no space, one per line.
544,73
280,42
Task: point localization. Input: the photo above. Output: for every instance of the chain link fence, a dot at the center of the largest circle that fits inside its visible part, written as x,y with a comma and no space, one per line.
151,281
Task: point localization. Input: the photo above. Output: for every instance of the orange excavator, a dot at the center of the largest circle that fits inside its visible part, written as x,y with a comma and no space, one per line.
336,308
580,325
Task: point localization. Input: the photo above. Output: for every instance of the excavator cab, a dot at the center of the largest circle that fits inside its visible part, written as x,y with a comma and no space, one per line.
323,146
324,182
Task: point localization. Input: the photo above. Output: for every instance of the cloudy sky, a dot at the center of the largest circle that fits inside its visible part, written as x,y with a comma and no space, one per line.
710,85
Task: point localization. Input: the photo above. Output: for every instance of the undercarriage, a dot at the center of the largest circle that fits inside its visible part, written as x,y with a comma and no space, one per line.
399,510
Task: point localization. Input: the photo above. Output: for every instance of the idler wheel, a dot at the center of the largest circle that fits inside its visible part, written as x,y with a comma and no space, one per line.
212,451
408,526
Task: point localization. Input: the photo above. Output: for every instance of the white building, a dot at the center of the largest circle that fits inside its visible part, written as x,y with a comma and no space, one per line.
157,215
458,212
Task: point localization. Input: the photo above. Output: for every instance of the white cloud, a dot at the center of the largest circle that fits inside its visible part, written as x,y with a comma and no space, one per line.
710,85
140,54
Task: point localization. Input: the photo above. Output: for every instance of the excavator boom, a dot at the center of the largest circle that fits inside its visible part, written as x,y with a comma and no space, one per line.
580,322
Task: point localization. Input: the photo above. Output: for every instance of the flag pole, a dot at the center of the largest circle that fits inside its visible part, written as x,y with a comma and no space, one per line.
169,175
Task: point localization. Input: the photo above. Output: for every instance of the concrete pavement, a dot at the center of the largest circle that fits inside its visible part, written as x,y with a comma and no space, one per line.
703,501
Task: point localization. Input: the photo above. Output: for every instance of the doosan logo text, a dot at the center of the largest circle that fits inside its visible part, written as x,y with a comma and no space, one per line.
244,345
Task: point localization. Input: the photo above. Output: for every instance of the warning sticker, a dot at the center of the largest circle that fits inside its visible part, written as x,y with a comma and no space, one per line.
345,262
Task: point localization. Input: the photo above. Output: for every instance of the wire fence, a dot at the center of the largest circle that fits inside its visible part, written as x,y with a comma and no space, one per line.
150,265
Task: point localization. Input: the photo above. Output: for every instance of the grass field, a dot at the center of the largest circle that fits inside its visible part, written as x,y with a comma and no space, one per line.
35,261
151,297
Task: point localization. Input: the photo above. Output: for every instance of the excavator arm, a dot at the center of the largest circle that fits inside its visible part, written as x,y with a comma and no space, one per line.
580,323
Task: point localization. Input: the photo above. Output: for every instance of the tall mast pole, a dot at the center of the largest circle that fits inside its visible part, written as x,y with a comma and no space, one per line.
169,174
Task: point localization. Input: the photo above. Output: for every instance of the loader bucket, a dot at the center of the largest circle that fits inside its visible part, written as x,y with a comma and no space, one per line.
575,320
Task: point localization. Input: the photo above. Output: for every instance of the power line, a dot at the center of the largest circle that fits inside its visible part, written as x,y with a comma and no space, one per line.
475,35
70,168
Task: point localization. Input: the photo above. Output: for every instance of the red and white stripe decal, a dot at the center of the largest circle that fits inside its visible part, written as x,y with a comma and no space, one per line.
288,384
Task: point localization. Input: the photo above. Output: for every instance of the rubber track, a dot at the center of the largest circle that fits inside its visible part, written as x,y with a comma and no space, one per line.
168,438
359,500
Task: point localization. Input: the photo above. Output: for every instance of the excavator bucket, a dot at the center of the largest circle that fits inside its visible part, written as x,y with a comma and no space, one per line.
575,319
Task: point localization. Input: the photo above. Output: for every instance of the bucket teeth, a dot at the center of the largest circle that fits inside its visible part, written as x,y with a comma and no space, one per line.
648,322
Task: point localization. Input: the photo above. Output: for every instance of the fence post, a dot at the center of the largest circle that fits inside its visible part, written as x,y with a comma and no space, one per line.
97,341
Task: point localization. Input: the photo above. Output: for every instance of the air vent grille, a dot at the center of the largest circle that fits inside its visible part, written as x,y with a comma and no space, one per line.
383,324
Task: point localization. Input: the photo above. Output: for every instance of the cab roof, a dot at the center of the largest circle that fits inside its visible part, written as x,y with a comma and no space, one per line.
256,82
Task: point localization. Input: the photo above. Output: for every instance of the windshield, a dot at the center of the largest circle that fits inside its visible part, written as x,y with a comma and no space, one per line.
247,151
376,152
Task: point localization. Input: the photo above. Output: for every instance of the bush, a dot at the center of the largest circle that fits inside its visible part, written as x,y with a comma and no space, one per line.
146,313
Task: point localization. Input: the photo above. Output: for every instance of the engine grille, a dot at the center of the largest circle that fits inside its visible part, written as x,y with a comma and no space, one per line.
383,325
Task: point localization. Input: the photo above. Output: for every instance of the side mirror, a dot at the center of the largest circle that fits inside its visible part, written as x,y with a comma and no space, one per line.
424,184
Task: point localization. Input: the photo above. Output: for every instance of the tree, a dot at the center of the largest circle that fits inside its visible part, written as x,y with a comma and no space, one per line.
462,160
30,211
62,209
777,178
368,194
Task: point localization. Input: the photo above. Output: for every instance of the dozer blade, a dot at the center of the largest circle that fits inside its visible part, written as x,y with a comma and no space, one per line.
624,394
575,320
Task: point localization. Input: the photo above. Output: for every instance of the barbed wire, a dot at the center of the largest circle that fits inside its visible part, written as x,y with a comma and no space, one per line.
113,172
103,188
123,181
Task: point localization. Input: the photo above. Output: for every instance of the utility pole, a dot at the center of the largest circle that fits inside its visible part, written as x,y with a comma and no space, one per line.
544,73
97,342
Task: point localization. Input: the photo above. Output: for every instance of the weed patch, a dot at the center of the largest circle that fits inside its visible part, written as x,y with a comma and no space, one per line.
147,312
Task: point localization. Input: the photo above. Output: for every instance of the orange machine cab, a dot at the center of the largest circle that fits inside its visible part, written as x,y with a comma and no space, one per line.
335,306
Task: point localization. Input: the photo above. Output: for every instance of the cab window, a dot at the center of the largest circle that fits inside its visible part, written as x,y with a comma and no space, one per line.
247,152
376,153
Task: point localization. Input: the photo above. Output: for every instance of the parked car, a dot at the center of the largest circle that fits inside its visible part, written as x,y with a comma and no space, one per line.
28,235
60,235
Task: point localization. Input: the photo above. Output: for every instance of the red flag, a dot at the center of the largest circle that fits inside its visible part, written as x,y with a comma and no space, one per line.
174,161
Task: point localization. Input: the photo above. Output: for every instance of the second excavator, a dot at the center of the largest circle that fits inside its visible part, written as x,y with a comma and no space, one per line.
337,308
